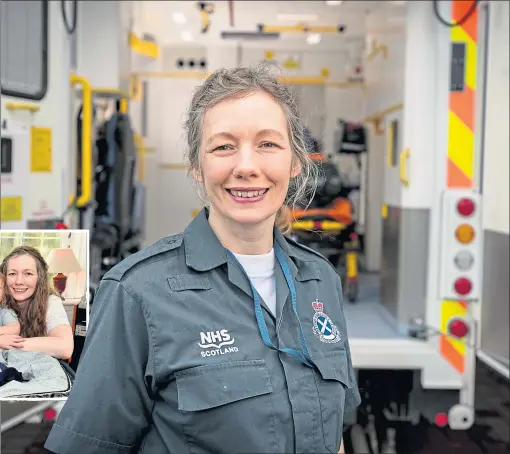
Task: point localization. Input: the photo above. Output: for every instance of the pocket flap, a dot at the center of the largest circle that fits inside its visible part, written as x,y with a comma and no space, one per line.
188,282
335,367
205,387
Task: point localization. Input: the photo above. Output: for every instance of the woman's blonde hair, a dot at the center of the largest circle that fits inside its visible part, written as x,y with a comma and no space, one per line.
32,316
226,84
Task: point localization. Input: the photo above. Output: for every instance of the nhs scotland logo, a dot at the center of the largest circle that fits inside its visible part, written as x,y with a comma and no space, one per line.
216,343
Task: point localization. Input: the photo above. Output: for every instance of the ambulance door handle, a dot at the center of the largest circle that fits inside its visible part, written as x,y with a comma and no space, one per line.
86,141
404,155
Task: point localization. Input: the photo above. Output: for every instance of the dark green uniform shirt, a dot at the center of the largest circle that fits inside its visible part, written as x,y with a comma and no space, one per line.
174,361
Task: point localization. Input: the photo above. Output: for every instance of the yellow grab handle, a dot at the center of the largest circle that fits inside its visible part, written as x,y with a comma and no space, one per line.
384,210
352,265
302,225
331,225
403,168
324,225
86,142
22,106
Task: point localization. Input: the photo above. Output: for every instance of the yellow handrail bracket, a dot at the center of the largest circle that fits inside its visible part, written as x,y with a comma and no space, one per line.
404,156
86,142
22,106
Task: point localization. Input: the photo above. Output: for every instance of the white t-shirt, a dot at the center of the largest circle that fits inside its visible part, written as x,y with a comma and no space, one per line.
260,270
7,316
55,314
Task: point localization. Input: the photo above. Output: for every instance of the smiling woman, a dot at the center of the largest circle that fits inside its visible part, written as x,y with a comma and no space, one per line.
247,161
244,126
44,326
194,326
9,325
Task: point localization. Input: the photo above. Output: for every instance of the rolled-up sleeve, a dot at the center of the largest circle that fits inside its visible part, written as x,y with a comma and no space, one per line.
110,403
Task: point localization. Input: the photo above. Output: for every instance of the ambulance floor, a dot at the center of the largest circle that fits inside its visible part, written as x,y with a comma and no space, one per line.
367,318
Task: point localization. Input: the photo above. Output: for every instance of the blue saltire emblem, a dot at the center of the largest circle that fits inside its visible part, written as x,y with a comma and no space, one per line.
323,326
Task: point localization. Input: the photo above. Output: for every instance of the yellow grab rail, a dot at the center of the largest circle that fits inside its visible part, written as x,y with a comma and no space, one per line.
323,225
86,143
403,166
22,106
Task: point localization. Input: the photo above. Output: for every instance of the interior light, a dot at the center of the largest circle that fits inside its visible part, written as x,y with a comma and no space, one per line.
179,18
186,36
332,3
463,286
313,38
464,260
466,207
465,233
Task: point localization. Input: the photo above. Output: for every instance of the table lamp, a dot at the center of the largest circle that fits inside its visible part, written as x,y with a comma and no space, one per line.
62,261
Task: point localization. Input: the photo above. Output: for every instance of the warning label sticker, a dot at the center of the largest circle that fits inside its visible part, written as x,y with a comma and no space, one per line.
11,209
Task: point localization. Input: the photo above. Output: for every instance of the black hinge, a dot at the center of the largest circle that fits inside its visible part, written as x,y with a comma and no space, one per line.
6,158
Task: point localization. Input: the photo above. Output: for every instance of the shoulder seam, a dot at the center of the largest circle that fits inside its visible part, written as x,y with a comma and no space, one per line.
143,262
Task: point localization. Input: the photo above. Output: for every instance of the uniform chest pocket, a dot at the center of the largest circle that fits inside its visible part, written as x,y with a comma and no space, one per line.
227,407
333,384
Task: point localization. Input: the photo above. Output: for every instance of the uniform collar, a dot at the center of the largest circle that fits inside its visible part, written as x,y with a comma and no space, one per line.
203,248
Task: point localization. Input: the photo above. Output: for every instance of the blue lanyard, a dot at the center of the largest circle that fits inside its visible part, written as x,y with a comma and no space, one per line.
304,357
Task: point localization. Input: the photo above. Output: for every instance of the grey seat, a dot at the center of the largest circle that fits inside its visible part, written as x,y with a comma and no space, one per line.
115,187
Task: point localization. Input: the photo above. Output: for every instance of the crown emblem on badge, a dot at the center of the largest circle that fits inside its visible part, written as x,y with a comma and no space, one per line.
317,306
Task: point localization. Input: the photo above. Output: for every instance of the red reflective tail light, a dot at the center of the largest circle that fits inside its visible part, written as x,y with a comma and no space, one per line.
441,420
458,328
466,207
463,286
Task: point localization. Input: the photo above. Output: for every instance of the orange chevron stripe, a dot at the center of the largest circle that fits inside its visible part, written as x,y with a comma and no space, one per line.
456,178
453,350
459,10
463,105
448,352
460,162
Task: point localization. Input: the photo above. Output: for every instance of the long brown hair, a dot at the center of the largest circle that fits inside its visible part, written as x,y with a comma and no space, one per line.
3,287
31,316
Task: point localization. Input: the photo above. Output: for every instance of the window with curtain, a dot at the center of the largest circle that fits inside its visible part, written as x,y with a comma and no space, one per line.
43,241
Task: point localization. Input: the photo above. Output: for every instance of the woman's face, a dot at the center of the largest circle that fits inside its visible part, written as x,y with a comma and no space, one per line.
246,158
22,277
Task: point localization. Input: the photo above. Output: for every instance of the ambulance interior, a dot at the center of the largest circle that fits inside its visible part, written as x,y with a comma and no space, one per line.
408,100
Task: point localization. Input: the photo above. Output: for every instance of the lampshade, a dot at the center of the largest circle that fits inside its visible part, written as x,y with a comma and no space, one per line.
62,261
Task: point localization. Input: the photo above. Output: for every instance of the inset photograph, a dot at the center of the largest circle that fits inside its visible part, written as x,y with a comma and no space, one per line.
43,311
